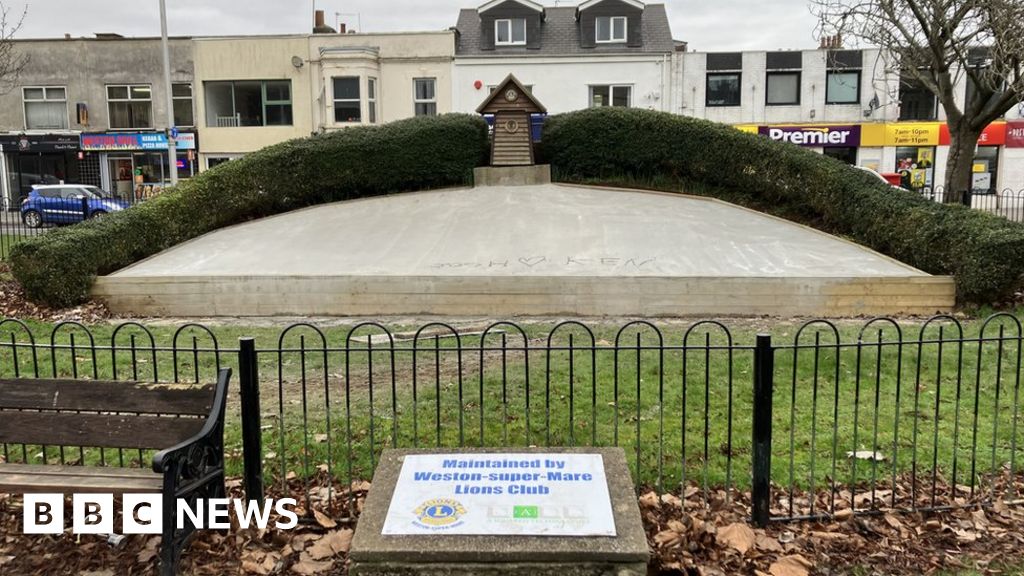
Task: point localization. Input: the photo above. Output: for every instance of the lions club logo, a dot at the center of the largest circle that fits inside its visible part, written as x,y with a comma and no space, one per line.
439,512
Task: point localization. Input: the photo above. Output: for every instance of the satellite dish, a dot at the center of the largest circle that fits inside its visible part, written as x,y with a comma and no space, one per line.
297,61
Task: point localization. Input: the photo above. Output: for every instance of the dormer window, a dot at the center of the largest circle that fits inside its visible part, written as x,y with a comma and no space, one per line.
610,29
510,32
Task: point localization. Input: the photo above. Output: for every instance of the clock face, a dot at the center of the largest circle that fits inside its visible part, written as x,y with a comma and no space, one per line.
511,95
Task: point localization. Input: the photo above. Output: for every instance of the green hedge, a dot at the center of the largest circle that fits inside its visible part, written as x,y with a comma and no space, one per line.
58,267
985,253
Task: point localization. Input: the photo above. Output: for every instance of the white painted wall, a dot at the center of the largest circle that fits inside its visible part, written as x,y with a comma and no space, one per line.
812,107
1011,169
562,84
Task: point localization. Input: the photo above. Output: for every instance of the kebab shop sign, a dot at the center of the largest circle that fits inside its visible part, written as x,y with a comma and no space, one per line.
822,136
501,494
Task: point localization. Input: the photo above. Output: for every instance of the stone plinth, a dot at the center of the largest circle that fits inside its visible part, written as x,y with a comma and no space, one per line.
512,175
625,554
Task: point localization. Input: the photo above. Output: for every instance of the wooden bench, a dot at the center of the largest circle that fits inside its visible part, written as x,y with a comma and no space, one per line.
185,423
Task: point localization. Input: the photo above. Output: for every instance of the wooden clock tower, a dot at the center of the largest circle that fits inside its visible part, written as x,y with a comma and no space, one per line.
511,104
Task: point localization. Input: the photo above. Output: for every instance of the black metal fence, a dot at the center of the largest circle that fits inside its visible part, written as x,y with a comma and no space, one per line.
813,420
1007,203
56,206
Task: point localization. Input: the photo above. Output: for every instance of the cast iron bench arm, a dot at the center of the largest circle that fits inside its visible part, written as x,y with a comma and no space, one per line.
211,435
192,470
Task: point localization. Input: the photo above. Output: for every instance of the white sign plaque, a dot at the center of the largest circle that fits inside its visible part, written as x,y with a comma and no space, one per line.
497,494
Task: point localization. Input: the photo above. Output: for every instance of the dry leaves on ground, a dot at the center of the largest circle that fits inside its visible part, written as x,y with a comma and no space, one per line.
14,304
688,536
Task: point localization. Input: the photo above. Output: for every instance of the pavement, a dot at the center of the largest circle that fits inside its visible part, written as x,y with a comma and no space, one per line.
546,230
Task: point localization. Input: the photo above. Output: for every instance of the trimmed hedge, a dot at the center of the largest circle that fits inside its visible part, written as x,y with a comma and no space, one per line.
984,253
58,267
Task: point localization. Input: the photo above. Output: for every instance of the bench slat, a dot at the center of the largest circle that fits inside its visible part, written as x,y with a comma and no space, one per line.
22,478
100,395
101,430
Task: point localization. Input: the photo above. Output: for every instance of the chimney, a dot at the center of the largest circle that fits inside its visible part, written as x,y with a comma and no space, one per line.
342,28
319,27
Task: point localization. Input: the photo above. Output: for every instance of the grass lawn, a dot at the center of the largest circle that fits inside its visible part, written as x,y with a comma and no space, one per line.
317,410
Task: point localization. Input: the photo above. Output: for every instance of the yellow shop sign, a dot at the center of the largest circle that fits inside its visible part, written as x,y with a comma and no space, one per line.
912,134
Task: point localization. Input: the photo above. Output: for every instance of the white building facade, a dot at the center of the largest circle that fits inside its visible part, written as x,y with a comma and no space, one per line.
850,104
599,53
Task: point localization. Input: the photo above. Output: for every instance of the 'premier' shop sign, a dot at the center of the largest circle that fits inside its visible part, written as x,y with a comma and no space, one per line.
823,136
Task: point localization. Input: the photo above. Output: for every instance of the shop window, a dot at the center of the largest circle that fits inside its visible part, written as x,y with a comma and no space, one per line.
46,108
985,170
847,154
371,99
723,89
347,105
610,95
130,106
181,95
842,87
425,97
248,103
212,161
916,101
610,29
782,88
510,32
916,166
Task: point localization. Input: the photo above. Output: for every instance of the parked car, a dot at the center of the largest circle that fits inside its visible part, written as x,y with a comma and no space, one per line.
886,178
66,204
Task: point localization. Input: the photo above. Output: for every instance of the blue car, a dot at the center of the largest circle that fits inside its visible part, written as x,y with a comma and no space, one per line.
66,204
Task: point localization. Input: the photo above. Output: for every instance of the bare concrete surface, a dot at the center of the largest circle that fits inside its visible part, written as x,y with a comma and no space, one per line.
521,230
507,251
626,554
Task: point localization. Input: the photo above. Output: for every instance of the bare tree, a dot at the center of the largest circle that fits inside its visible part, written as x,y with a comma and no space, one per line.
12,61
940,43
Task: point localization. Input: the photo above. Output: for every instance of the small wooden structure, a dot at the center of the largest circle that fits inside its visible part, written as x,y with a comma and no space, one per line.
511,104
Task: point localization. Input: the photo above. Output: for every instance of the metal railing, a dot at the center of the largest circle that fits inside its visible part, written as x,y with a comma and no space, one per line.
817,419
1007,203
27,220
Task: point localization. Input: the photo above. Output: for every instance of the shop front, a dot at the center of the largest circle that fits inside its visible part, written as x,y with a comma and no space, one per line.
840,141
917,151
985,171
32,159
134,166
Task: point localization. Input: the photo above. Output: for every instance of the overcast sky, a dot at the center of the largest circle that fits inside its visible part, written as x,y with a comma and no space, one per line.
706,24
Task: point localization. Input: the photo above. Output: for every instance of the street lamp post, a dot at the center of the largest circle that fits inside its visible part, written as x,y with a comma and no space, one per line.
172,148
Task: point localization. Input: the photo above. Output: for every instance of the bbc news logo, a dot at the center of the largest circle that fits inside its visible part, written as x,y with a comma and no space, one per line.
143,513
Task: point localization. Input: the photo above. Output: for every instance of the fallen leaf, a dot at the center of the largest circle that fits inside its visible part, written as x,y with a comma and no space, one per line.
737,535
320,438
668,538
844,514
331,544
671,500
793,565
323,519
650,500
893,521
767,544
307,566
